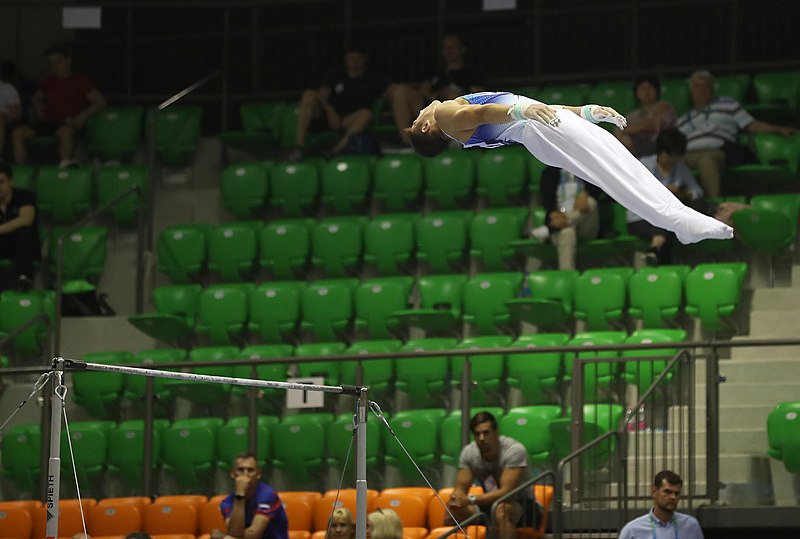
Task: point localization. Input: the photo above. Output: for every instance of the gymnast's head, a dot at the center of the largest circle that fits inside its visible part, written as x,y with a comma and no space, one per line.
425,135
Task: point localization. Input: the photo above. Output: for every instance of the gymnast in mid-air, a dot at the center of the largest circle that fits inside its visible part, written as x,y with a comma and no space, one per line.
565,137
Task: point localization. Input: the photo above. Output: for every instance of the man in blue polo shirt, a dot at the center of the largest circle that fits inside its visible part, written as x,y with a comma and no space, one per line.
663,521
254,510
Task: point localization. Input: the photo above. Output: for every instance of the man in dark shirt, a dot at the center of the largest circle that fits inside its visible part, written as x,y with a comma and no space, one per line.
343,103
253,510
19,233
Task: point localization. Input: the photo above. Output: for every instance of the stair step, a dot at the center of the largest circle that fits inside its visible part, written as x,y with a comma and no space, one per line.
776,299
757,393
761,370
774,323
762,352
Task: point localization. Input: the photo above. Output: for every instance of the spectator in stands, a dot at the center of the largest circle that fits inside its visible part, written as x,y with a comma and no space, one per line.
342,524
645,123
10,111
571,213
62,104
19,227
253,510
499,464
669,167
663,520
712,127
343,103
455,78
384,524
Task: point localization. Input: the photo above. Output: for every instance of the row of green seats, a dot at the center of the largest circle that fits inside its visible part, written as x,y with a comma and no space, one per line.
66,194
397,183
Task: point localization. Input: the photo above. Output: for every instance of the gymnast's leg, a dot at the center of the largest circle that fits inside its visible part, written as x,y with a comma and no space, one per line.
594,154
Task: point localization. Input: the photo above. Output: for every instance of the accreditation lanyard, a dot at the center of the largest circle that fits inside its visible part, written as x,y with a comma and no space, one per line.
653,525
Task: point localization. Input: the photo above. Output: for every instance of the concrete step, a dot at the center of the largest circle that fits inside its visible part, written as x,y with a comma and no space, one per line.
774,323
761,352
761,370
758,393
776,299
732,416
667,443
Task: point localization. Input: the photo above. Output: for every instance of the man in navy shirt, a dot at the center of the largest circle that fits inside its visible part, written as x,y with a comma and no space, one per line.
663,521
254,510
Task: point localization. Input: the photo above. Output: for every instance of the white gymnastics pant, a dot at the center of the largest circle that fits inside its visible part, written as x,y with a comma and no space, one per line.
592,153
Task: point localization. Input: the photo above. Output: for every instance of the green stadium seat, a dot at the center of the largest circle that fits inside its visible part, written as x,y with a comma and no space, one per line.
597,420
233,439
377,374
269,399
601,297
492,235
339,438
783,432
17,308
449,179
676,91
202,393
294,188
115,133
656,295
713,293
111,181
181,252
126,451
176,132
539,374
597,377
562,94
777,96
85,251
298,446
777,167
135,386
244,188
284,248
232,251
418,430
734,86
260,127
89,448
530,426
337,246
501,175
345,185
398,182
642,374
222,312
24,177
487,370
275,311
100,393
770,225
550,304
174,319
440,304
485,299
423,379
543,251
188,452
21,450
442,241
327,308
376,301
618,95
389,243
65,194
330,370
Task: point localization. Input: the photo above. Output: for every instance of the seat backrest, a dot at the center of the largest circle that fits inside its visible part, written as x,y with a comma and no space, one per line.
69,520
178,299
532,431
442,291
389,242
85,251
778,88
327,307
108,519
323,507
163,518
262,116
501,175
274,309
222,312
376,300
676,91
345,184
484,300
294,188
284,247
734,86
210,517
181,252
336,246
398,181
449,178
655,295
491,235
441,240
618,95
232,250
111,181
713,291
64,193
244,188
409,507
115,132
15,522
601,296
783,429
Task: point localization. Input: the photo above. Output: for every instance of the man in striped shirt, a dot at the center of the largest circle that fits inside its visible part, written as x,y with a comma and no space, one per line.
711,128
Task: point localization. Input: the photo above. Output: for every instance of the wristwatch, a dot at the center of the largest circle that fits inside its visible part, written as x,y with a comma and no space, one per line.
238,497
471,498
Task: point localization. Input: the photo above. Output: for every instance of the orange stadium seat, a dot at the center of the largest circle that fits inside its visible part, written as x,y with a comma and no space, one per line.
473,532
120,519
320,534
171,536
69,519
170,518
423,493
210,517
409,507
411,532
195,500
15,522
299,534
300,514
28,505
436,511
137,501
347,498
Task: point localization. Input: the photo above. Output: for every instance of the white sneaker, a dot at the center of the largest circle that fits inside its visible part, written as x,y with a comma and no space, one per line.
541,233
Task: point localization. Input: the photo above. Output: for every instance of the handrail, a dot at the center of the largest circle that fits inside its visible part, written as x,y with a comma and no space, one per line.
60,257
522,487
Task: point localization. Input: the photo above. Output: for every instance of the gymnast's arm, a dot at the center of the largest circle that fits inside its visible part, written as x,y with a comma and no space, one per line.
458,115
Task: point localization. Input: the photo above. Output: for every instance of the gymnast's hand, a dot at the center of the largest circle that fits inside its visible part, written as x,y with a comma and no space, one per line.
607,114
542,113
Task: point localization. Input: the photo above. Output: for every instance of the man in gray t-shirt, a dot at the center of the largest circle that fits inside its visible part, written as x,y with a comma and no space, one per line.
499,464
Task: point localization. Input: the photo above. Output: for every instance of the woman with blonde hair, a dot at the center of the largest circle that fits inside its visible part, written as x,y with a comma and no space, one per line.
342,524
384,524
